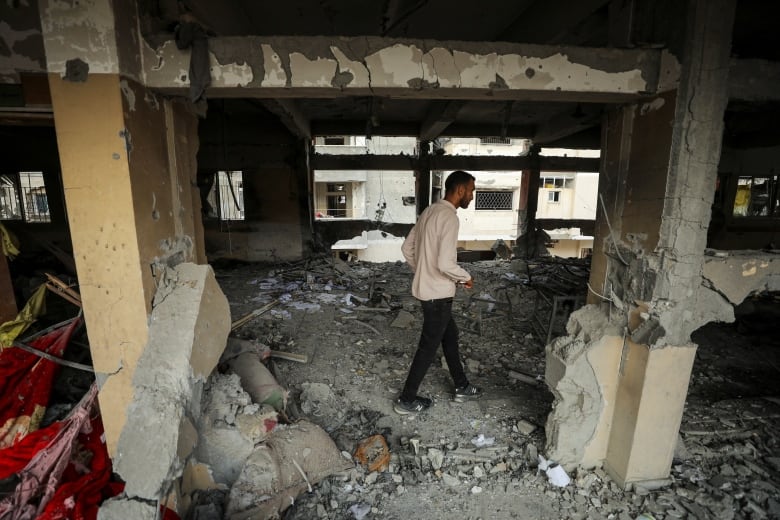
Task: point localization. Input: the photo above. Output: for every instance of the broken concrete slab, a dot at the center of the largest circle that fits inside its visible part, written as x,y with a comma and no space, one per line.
403,320
294,458
223,445
188,329
124,508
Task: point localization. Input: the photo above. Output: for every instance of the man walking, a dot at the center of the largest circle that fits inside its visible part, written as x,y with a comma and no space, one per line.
431,250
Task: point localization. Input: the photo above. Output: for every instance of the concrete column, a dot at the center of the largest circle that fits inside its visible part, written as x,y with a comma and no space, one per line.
657,185
128,175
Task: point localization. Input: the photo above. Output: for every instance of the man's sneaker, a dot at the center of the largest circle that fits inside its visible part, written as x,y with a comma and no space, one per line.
464,393
409,407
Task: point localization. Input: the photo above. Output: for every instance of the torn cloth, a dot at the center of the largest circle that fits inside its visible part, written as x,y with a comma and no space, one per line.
67,478
34,307
189,34
26,381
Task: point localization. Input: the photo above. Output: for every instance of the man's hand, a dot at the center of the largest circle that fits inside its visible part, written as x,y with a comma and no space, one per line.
467,285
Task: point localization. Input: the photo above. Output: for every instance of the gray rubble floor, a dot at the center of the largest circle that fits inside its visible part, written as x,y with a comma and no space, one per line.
359,351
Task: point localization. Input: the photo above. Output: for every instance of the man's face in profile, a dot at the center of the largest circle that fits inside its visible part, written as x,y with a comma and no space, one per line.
466,195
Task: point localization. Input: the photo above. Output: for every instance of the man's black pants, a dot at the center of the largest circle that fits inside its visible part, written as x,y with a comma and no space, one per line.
438,328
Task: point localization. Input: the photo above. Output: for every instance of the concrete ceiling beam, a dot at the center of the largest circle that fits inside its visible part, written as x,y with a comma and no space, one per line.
439,117
317,66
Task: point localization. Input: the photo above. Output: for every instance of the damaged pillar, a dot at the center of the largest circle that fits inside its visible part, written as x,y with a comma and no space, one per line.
621,375
128,173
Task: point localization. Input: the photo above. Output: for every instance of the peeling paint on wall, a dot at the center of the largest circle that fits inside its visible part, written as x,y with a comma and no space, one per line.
315,62
82,30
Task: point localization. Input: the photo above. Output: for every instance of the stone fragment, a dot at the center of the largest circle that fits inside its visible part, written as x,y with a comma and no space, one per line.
125,508
436,457
525,427
450,480
403,320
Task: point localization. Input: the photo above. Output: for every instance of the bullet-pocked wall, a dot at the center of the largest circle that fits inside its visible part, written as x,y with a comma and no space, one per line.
253,184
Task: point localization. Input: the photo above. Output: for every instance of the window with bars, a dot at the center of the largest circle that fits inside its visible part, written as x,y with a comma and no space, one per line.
493,200
495,140
23,197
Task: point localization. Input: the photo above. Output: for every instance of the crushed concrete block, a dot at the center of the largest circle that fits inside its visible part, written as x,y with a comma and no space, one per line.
188,329
320,404
222,445
294,458
124,508
525,427
450,480
437,458
404,320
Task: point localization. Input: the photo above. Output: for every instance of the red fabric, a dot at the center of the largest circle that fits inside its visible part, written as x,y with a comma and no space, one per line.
14,458
80,493
25,383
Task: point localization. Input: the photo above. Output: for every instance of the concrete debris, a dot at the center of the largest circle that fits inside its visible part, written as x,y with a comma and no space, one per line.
125,508
188,330
293,458
403,320
320,405
723,457
525,427
230,426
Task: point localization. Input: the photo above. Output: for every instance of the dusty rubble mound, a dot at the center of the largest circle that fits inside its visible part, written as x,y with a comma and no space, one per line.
353,329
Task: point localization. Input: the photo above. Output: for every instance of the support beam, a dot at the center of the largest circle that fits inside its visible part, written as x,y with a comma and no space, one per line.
454,162
568,123
316,66
441,115
390,129
290,116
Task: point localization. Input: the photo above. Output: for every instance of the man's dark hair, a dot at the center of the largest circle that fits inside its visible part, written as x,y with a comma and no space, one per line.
455,179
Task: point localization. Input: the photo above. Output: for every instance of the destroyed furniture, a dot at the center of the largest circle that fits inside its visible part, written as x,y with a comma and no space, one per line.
560,288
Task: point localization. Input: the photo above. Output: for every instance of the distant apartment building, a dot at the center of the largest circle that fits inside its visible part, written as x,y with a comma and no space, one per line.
382,195
568,196
494,213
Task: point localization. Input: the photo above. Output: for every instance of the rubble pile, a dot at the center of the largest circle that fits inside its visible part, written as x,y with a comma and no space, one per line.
357,327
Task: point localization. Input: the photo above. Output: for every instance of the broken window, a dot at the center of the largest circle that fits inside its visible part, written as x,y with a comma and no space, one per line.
554,196
23,197
757,196
226,197
493,200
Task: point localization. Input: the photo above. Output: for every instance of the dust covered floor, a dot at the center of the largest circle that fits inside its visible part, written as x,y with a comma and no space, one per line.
359,326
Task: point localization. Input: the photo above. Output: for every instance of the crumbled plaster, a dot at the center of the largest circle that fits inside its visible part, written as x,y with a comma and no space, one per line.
580,401
378,63
21,45
84,30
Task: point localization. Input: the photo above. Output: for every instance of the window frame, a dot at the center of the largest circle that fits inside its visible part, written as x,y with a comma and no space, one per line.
480,194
